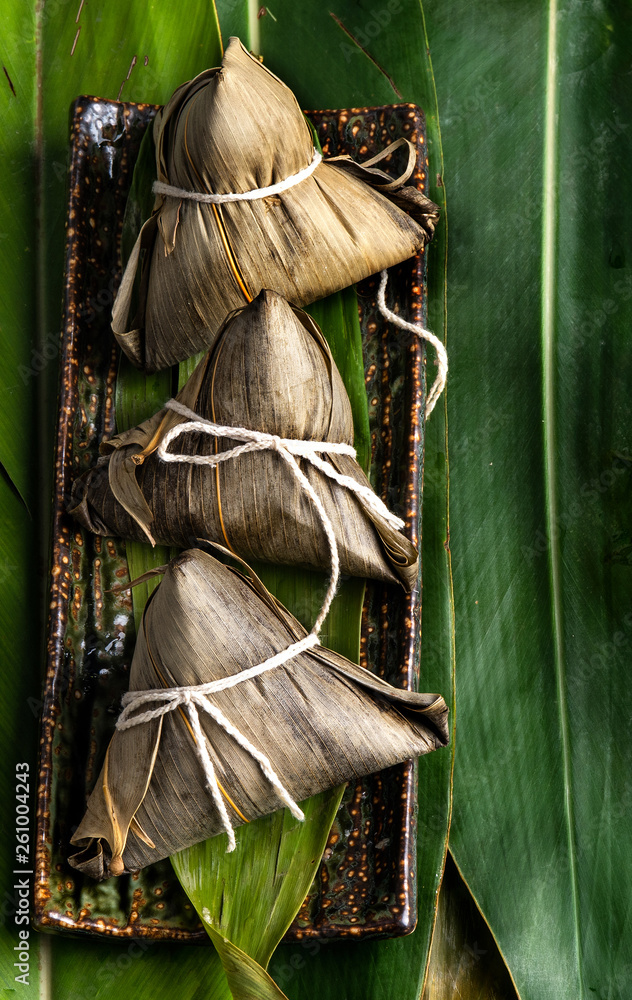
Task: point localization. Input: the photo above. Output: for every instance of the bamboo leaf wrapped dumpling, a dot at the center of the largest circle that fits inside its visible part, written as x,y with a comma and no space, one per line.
233,130
270,370
317,719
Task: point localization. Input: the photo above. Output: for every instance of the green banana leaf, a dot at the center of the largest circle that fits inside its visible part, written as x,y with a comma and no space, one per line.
22,358
20,618
539,304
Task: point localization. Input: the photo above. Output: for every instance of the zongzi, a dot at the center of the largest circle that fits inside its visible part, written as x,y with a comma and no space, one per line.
279,736
237,130
270,371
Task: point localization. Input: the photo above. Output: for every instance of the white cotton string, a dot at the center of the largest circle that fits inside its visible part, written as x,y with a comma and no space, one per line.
286,448
194,697
254,195
442,357
209,771
173,697
261,441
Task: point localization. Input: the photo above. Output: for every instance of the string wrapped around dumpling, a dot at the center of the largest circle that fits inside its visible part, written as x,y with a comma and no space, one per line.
313,722
270,371
238,129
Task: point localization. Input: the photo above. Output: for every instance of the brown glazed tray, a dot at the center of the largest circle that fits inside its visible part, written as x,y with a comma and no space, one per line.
366,882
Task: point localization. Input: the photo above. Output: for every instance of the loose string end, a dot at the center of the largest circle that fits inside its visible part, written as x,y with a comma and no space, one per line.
442,356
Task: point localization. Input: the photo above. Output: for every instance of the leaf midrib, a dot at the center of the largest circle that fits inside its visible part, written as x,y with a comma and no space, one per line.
549,270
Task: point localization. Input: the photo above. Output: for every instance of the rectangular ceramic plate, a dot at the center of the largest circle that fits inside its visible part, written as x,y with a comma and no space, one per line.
366,883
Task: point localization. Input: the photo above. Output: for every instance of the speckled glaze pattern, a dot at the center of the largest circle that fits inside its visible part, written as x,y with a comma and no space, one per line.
366,882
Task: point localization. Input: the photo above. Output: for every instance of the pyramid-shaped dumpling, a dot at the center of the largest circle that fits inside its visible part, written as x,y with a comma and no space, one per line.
270,370
319,720
231,130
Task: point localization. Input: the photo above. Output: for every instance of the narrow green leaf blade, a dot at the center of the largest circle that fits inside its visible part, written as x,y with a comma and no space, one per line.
536,144
250,897
19,628
22,357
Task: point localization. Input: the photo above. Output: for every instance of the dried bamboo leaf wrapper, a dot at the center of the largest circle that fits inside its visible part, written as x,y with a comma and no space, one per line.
237,129
271,370
319,718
